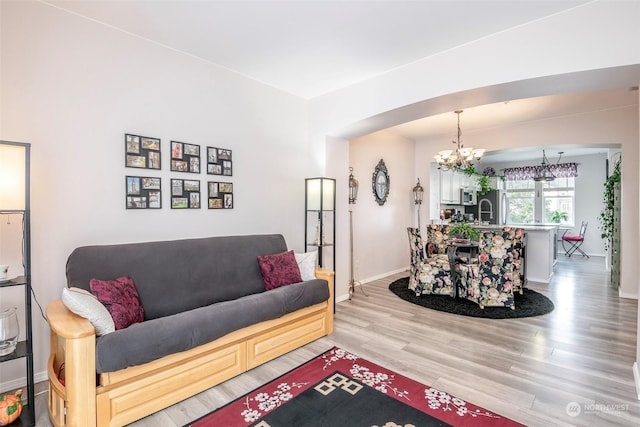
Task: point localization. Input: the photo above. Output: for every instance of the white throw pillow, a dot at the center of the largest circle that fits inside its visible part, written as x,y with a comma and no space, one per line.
85,304
307,264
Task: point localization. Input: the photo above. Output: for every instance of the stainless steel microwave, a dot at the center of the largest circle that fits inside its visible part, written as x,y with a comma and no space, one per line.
468,197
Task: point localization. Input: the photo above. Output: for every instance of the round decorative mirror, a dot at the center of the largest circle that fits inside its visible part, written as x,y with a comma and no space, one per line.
380,183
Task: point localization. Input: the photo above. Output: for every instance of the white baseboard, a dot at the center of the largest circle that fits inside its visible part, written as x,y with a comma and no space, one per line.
382,276
22,383
636,378
626,295
344,297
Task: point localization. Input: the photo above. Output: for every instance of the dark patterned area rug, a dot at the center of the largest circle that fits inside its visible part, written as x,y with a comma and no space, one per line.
530,304
338,388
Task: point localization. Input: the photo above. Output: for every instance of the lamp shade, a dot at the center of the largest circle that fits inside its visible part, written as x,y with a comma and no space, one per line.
321,194
12,176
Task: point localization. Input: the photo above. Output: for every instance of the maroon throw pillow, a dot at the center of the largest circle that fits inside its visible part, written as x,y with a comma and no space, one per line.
120,296
279,270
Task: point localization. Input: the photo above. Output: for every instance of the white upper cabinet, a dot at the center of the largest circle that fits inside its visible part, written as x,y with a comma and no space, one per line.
450,184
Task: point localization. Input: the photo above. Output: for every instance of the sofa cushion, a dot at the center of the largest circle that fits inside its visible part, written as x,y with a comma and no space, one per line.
86,305
279,270
179,275
121,299
153,339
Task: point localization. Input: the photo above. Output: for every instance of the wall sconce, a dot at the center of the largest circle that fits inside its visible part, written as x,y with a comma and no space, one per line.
418,194
353,187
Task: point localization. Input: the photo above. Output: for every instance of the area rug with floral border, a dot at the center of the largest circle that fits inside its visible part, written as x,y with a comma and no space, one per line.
339,388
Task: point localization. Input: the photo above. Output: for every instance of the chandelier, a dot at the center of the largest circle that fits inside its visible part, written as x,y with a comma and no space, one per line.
544,172
462,158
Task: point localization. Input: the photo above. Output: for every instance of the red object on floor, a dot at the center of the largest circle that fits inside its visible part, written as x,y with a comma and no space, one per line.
249,408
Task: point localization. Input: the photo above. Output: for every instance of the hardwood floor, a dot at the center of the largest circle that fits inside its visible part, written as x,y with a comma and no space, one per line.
526,369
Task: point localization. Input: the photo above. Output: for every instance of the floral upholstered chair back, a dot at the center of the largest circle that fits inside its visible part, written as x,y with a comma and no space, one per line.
437,239
489,283
427,275
517,257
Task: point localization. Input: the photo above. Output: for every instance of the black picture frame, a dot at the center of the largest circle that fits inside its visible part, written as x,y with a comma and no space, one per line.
219,161
143,192
185,194
142,152
185,157
220,195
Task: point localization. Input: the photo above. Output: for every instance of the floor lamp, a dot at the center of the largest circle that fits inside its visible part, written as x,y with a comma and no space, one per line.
353,194
418,193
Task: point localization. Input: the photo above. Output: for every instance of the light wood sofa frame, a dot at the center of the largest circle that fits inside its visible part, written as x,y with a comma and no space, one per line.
121,397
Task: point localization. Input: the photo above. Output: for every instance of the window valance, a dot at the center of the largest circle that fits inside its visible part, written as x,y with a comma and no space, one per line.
560,170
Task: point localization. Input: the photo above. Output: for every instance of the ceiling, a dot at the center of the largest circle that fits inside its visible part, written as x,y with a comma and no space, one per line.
310,48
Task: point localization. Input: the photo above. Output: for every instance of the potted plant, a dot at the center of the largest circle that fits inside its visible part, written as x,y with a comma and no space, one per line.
558,216
466,231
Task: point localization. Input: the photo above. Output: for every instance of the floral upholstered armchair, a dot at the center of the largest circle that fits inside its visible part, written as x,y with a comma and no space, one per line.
428,275
489,282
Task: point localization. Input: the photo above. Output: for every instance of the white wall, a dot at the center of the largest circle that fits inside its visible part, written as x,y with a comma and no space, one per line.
380,232
73,88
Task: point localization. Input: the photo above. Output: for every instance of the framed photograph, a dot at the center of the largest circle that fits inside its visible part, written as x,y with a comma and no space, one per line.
219,161
185,157
220,195
185,194
142,152
143,192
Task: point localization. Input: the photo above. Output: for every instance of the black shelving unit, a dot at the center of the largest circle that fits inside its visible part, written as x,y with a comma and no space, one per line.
24,349
320,218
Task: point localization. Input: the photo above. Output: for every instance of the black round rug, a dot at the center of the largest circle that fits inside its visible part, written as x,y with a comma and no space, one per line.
531,303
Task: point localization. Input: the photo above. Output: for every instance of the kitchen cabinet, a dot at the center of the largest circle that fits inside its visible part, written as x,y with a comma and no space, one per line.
450,184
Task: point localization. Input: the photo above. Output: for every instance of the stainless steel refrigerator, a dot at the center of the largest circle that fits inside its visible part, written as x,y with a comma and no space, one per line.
493,207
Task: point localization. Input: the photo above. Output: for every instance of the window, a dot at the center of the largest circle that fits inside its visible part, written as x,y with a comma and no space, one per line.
521,196
558,201
555,206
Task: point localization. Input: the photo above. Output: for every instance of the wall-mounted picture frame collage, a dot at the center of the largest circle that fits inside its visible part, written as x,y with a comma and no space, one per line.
185,157
144,192
185,194
142,152
219,161
220,195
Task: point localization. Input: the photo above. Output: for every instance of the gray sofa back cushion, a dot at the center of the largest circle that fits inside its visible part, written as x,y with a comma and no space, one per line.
179,275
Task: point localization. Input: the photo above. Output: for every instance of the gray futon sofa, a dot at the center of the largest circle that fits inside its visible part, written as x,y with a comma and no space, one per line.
207,318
